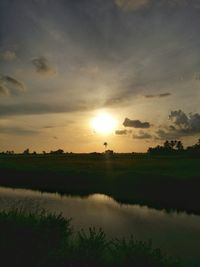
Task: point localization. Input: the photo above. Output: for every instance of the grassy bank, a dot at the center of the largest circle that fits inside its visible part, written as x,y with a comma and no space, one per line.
48,240
163,182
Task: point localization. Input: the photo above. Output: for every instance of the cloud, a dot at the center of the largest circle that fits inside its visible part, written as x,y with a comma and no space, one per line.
19,85
128,5
135,123
182,125
89,70
42,66
142,135
3,90
132,5
179,118
34,108
49,127
8,55
9,85
114,101
16,131
166,134
158,95
185,123
122,132
174,3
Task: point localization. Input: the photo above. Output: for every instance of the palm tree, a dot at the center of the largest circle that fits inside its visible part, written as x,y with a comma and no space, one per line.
105,144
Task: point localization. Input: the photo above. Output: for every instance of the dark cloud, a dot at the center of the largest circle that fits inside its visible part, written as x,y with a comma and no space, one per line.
142,135
122,132
135,123
158,95
33,108
179,118
9,85
42,66
183,125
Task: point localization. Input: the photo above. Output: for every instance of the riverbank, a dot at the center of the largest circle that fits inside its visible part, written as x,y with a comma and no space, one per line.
160,182
41,239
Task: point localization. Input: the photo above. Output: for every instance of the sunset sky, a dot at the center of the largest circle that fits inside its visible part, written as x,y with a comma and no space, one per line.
65,63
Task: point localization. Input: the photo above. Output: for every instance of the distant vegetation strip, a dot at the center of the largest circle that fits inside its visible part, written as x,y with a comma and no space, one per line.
47,240
169,147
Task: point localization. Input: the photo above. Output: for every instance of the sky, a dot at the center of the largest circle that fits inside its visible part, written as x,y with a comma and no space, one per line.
65,62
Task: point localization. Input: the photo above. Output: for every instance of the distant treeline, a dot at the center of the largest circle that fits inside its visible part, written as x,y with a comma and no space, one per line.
174,147
169,147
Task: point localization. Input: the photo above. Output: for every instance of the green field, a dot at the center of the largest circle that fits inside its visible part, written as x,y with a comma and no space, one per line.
170,182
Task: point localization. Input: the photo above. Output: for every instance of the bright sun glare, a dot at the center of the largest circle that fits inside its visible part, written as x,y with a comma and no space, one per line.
104,123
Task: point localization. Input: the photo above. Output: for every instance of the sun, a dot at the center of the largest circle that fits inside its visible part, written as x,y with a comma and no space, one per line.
104,123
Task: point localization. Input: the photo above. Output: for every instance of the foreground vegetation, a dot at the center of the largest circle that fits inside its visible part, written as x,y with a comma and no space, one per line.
170,182
40,239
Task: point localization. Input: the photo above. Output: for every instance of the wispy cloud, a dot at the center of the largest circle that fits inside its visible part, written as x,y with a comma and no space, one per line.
122,132
158,95
34,108
16,131
42,66
131,4
10,85
142,135
8,55
3,89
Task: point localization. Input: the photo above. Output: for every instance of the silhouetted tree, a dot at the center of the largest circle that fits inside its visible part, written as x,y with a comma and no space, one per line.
58,152
26,151
179,146
173,144
105,144
169,147
167,144
194,150
10,152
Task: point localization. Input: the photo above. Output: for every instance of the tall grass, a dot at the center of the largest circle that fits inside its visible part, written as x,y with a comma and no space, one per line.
31,239
42,239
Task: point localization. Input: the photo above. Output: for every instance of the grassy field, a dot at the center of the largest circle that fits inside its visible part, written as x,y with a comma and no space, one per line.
171,182
47,240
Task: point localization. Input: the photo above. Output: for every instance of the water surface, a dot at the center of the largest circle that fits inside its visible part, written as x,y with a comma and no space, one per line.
177,234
